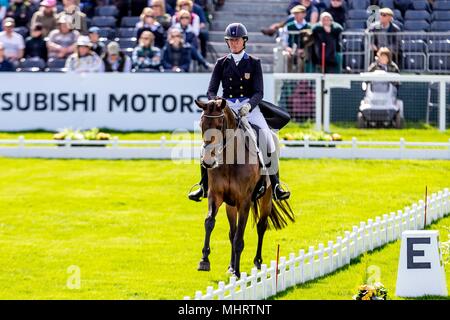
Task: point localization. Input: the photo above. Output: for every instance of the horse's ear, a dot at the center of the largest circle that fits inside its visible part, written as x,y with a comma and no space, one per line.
200,104
223,104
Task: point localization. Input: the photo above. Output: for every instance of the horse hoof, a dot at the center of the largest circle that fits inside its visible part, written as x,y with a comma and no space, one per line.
230,270
257,263
204,266
237,274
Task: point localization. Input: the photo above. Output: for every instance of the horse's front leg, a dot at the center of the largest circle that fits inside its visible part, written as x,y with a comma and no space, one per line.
214,203
238,242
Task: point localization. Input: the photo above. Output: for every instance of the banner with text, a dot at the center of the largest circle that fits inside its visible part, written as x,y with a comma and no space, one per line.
156,101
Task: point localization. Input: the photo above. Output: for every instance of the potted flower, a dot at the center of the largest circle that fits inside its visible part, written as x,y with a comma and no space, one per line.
377,291
93,134
311,137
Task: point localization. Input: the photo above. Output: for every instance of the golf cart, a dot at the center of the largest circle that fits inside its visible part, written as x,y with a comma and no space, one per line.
380,107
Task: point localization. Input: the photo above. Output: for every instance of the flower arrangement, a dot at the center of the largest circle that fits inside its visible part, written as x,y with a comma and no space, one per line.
92,134
377,291
312,136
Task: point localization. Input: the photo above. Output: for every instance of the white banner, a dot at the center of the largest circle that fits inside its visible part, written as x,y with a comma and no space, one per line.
155,101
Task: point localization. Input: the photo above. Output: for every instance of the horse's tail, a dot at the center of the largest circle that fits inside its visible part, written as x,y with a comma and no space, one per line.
280,214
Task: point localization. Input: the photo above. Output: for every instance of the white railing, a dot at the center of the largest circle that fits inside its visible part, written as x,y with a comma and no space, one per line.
190,149
324,259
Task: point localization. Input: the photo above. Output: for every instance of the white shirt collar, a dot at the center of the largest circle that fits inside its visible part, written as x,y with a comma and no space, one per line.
238,57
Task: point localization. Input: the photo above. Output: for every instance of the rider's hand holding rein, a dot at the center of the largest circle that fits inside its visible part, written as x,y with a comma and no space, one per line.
245,109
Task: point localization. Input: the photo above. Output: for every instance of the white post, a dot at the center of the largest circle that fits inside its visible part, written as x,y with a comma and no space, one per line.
115,142
370,232
301,264
198,295
233,287
244,285
354,146
414,214
440,202
385,227
312,274
163,142
348,245
378,234
362,226
318,104
254,283
21,141
209,293
221,293
355,241
321,253
326,110
399,217
339,252
394,227
264,281
421,214
442,105
282,275
446,201
331,255
291,264
273,277
402,147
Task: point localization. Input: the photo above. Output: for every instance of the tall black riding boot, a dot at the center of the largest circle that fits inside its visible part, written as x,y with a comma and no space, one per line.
277,191
203,191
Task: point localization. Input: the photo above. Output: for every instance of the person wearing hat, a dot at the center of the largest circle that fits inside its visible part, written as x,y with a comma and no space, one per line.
46,16
35,45
297,39
62,41
5,65
242,82
13,43
327,32
83,60
76,17
21,11
115,60
96,45
385,32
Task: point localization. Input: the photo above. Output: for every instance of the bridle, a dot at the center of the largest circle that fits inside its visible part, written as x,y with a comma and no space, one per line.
206,147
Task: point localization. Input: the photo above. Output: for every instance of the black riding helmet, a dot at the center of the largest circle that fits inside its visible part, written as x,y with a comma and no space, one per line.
236,30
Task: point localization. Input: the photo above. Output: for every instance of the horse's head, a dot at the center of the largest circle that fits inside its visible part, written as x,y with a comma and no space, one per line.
213,124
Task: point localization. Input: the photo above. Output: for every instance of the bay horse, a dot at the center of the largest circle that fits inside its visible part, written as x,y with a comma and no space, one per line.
233,183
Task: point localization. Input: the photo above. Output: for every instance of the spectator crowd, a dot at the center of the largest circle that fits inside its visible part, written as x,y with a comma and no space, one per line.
103,35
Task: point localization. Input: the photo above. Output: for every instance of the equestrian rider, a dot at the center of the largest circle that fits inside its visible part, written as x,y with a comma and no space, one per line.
242,82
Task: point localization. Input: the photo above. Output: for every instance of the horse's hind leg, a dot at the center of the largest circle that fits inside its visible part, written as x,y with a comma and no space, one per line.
210,221
232,220
266,207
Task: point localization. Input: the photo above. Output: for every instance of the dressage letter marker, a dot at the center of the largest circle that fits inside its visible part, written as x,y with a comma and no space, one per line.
420,269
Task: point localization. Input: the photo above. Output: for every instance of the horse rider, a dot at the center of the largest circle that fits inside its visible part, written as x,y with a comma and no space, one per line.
242,82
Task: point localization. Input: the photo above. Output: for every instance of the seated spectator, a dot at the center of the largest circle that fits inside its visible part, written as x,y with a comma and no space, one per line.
148,23
35,45
62,41
189,37
96,46
194,20
84,60
76,17
384,62
328,32
176,54
159,12
311,16
146,55
5,65
46,16
115,60
337,11
296,39
21,11
13,43
386,31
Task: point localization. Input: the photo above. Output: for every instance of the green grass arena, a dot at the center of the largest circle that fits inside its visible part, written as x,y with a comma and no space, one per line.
133,233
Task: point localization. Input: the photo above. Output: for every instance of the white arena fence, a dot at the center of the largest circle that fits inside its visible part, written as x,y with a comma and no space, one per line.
325,259
190,149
